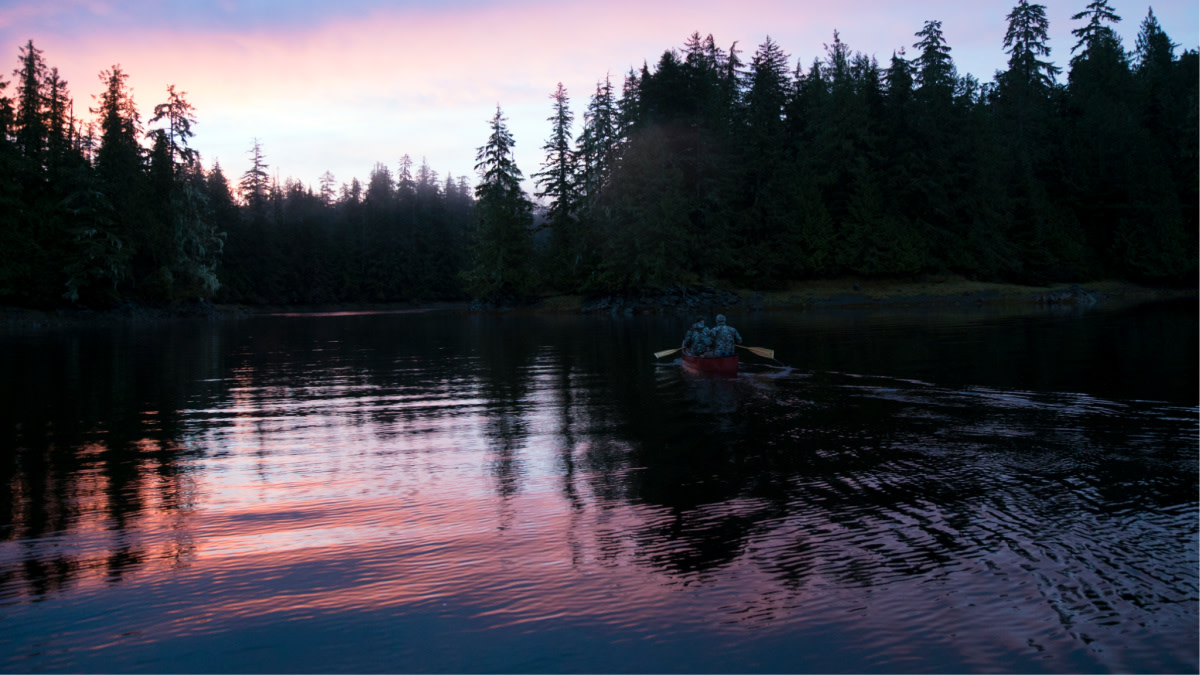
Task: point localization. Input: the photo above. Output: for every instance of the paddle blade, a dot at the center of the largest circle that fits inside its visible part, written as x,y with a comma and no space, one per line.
666,352
761,351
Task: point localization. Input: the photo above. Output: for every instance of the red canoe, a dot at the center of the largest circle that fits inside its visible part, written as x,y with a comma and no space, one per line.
717,365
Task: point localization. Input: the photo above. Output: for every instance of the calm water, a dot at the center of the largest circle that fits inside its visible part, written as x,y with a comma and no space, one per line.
446,492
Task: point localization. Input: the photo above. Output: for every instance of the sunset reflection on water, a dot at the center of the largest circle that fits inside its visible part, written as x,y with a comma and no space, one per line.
316,494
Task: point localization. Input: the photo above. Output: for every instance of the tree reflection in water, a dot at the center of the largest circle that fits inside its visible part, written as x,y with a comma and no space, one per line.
94,427
418,455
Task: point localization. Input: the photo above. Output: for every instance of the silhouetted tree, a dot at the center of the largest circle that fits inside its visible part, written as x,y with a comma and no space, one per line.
556,183
31,131
255,184
107,237
500,268
702,169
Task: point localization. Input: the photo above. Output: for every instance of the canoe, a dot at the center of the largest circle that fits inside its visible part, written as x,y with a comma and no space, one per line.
717,365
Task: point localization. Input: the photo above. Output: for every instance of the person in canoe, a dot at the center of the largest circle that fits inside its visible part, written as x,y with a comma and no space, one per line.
724,337
698,340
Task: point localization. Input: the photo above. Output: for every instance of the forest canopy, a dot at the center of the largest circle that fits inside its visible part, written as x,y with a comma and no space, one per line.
708,165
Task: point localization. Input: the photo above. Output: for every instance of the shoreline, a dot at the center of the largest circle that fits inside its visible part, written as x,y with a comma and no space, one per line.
859,294
830,294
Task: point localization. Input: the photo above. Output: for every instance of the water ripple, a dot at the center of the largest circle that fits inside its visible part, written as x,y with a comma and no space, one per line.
557,498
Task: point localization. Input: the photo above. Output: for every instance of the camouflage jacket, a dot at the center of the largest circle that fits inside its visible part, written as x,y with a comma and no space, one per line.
698,340
724,339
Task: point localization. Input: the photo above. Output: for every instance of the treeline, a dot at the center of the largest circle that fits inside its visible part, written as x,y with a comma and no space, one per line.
705,167
708,167
400,237
90,215
116,211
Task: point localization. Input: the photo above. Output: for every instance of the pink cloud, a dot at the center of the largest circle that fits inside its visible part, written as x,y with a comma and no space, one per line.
424,80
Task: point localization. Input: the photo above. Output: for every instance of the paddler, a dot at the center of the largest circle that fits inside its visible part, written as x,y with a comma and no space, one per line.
698,340
724,337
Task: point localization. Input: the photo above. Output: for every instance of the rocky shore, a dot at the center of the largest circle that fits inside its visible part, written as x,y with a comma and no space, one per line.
678,299
853,294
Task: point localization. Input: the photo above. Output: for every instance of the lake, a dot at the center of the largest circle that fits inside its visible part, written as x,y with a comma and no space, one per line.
1000,490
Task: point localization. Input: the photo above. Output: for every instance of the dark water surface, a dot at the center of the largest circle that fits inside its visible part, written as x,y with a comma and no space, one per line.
963,492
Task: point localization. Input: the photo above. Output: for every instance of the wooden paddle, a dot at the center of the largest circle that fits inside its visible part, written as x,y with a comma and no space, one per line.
760,351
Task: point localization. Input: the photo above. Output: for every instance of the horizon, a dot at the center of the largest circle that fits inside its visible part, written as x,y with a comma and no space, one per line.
248,67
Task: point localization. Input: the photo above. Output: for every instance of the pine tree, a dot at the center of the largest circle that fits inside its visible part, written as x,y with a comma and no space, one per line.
1026,41
556,183
405,186
1100,66
181,242
220,197
15,239
1046,243
31,131
255,184
108,243
760,168
328,194
1096,36
641,226
1118,177
767,93
504,214
118,160
427,179
934,67
378,245
629,106
177,117
61,145
1155,52
7,117
597,146
381,189
1166,104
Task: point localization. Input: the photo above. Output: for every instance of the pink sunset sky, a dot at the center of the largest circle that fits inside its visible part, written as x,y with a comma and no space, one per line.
339,86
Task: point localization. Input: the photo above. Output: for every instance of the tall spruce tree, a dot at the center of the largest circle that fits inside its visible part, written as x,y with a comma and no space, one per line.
1120,179
108,245
31,131
119,158
62,147
186,242
763,152
1027,43
1046,241
1154,51
14,269
501,270
220,197
175,118
768,90
934,67
556,184
597,145
1097,34
1166,104
328,183
255,185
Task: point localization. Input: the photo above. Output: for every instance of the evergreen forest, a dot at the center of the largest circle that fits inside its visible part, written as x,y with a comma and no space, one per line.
708,166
